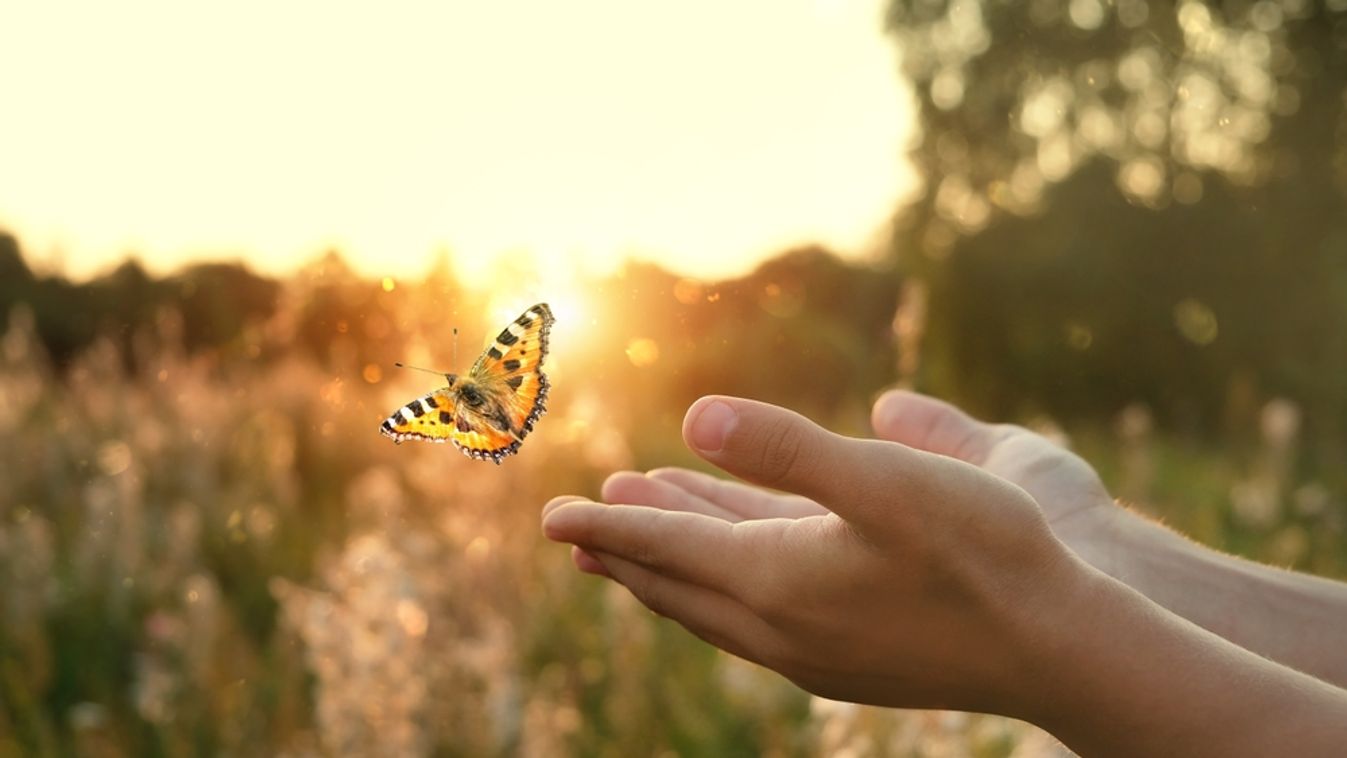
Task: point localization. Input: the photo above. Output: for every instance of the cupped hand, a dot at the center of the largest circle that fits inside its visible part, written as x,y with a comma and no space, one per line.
881,574
1074,501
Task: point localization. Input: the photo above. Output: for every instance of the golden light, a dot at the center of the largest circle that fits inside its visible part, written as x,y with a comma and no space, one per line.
589,128
688,291
412,617
553,279
478,550
642,352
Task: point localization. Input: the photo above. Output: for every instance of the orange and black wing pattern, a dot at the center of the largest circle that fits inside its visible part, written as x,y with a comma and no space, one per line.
488,413
430,417
511,369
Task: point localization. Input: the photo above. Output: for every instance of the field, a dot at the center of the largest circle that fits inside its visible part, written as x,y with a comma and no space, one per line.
212,551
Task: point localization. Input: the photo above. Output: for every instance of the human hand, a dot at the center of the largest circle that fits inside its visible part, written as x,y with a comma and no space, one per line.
887,575
1075,502
893,575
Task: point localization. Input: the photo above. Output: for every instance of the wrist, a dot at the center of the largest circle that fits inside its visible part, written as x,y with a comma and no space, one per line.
1040,634
1139,553
1123,545
1075,681
1115,674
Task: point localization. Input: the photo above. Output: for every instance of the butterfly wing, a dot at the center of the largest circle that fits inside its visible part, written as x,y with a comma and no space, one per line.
510,371
482,442
488,413
431,417
442,417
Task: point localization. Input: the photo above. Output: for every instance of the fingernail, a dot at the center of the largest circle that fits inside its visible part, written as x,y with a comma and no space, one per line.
559,501
888,413
889,409
712,426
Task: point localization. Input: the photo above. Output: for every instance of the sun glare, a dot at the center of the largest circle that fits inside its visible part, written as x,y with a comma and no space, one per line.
515,288
704,136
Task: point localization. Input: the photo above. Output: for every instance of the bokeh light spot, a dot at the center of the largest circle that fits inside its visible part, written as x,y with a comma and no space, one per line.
642,352
1196,321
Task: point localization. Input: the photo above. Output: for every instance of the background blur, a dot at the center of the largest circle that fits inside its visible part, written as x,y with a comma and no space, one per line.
1121,222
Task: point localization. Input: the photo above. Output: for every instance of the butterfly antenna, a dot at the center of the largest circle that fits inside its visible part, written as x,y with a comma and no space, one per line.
418,368
455,347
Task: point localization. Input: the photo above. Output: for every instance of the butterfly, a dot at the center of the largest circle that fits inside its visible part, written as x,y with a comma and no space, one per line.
487,413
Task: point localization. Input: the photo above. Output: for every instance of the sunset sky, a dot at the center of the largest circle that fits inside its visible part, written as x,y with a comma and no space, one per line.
704,135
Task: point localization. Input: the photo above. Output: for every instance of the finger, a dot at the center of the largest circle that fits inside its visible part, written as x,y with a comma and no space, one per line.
587,562
716,618
583,560
933,425
559,501
687,546
740,499
859,480
640,489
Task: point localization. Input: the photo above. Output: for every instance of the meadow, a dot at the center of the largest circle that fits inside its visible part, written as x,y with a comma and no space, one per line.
208,549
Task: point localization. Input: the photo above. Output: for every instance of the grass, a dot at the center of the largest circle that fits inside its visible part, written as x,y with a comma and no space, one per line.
217,554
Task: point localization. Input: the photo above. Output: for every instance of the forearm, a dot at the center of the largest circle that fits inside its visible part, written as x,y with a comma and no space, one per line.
1114,674
1295,619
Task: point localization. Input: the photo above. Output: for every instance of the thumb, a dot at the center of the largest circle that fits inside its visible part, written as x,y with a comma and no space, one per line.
778,448
925,423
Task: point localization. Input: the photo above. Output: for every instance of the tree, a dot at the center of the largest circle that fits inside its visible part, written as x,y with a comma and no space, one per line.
1130,200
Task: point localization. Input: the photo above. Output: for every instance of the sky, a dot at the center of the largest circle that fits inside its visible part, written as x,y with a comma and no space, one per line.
703,135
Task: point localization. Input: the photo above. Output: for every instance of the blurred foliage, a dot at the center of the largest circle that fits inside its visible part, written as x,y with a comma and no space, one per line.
1133,200
206,547
216,301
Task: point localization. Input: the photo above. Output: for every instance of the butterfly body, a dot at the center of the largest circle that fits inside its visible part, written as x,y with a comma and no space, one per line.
487,413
